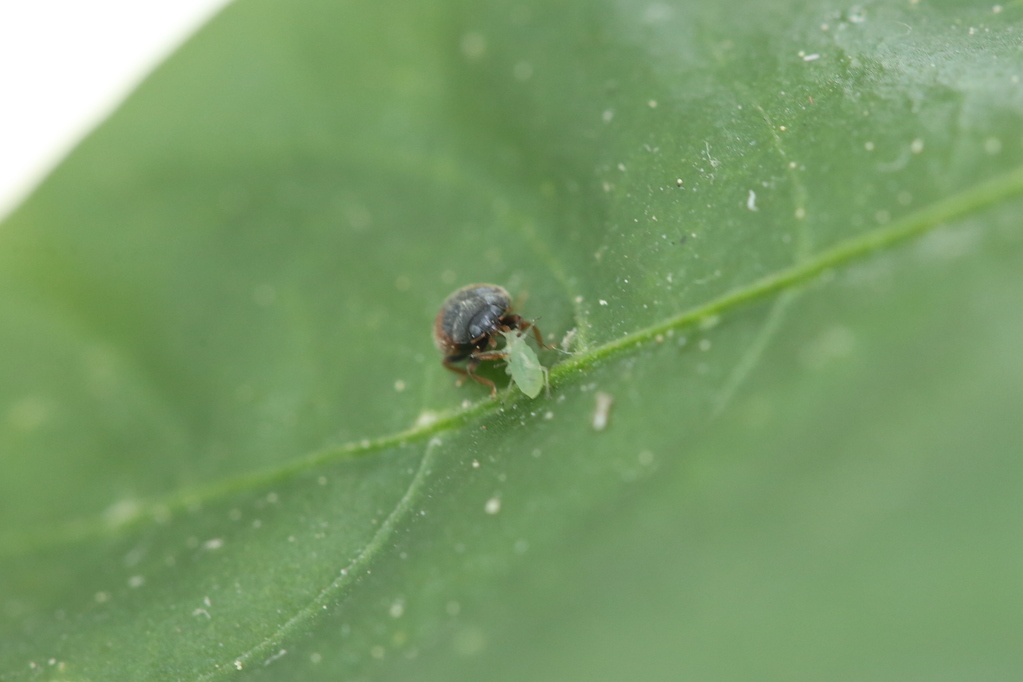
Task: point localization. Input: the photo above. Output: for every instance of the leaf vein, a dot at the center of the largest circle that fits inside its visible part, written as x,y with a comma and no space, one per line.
347,575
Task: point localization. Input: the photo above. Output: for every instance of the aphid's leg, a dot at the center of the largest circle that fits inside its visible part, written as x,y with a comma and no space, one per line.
474,362
457,370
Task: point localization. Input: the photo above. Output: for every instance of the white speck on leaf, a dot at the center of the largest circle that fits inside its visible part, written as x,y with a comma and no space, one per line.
710,322
276,656
566,342
121,512
426,418
474,45
830,345
602,411
264,295
714,163
523,71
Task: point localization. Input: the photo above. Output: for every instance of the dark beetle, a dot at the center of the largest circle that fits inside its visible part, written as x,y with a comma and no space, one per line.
468,325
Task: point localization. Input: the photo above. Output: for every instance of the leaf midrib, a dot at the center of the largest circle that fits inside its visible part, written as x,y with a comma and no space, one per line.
976,198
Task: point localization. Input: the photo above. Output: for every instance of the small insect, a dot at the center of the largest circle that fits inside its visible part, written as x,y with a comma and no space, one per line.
523,365
468,327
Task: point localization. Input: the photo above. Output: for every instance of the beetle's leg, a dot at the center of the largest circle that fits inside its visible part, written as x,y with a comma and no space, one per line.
457,370
474,362
510,321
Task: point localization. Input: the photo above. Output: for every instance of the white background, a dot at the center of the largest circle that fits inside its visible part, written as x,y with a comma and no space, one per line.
66,64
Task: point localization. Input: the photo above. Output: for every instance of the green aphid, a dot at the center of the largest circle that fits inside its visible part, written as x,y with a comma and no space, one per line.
523,365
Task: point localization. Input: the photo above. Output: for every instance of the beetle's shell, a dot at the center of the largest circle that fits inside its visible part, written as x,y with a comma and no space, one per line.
470,314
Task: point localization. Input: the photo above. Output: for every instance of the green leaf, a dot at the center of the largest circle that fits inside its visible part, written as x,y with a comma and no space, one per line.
786,237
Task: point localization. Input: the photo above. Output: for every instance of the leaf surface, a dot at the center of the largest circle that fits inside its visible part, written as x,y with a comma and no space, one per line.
784,233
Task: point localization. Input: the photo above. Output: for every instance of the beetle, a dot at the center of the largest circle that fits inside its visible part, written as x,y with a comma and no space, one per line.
469,324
